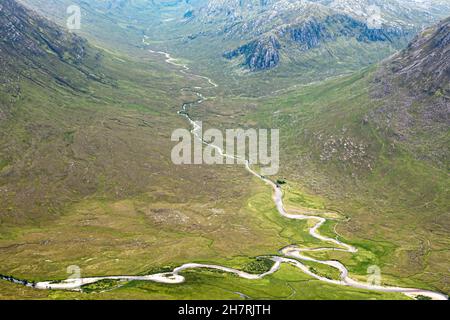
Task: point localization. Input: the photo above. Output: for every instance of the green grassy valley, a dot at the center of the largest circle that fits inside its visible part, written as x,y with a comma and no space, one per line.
87,180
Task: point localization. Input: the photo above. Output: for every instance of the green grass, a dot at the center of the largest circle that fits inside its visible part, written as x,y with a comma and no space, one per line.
101,286
323,270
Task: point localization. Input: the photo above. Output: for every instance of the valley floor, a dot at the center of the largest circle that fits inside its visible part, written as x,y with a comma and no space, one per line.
287,283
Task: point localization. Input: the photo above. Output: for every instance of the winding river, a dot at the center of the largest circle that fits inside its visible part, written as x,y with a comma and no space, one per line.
292,255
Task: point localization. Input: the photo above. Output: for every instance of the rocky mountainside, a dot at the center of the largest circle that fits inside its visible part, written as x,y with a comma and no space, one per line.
24,34
301,25
392,12
388,12
425,64
259,54
413,89
311,34
34,48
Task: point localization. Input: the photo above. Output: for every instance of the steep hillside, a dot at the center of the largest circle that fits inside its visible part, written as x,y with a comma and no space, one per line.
424,65
50,78
59,98
34,48
414,91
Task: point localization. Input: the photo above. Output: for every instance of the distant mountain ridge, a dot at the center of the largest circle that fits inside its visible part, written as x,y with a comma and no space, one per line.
272,26
292,40
309,35
389,12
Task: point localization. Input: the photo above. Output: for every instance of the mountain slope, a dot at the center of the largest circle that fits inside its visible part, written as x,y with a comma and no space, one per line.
33,45
414,90
37,50
426,59
59,98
